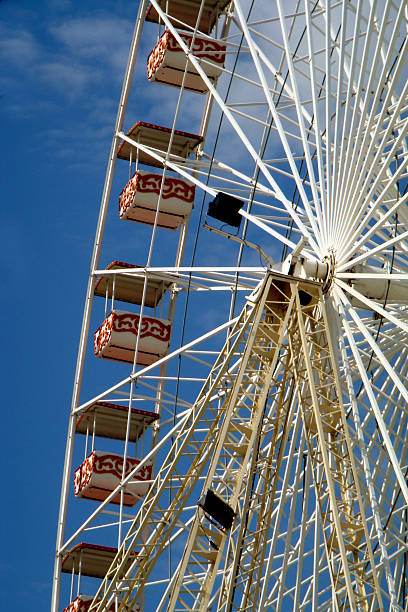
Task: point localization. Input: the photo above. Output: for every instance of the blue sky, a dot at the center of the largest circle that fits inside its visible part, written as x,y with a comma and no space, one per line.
62,64
62,68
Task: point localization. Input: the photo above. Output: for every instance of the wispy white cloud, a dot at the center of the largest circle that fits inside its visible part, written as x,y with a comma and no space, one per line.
100,38
18,46
54,67
86,51
69,77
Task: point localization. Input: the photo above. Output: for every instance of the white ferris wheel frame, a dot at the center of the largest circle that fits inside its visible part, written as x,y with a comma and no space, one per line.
313,227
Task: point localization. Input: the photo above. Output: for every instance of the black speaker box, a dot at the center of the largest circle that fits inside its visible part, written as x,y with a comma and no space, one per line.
225,208
217,508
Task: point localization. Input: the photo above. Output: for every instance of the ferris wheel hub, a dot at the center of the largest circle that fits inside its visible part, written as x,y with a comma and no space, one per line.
315,270
329,261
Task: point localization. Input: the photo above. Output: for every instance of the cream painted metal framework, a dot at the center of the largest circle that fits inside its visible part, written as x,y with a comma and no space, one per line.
295,410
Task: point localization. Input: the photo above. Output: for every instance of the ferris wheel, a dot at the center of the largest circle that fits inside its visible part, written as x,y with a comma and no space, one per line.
255,455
